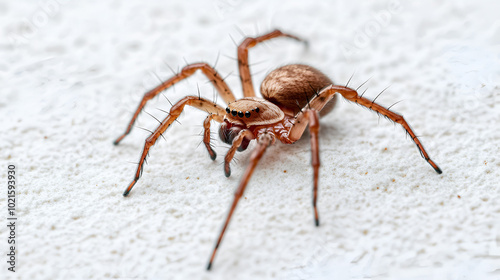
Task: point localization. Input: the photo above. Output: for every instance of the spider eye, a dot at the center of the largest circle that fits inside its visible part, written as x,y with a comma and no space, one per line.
240,114
227,110
247,114
257,109
234,113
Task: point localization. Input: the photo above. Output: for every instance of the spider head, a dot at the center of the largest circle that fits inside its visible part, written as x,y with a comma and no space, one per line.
228,131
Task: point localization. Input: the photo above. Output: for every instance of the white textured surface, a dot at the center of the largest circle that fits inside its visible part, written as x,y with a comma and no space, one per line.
73,72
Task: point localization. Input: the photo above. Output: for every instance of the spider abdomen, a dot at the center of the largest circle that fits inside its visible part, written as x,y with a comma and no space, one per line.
290,87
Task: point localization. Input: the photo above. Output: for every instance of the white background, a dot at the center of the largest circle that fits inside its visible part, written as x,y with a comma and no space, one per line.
73,72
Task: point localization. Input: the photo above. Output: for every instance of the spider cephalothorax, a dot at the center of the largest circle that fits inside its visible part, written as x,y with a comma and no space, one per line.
253,111
294,97
246,113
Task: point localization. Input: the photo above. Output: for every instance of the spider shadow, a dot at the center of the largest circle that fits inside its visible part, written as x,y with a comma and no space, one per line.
283,153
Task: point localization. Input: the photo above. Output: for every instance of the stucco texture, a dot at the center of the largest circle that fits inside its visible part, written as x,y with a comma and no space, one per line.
73,72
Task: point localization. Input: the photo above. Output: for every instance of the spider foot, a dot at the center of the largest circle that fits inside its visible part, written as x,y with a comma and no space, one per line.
316,217
212,153
117,141
438,170
227,171
213,156
434,165
127,191
306,44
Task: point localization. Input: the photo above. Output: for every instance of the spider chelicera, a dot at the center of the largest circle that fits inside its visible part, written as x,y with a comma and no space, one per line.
294,96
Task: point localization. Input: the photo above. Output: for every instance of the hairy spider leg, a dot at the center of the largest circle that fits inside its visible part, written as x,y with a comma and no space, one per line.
249,42
311,116
350,94
206,136
263,142
214,77
234,146
216,111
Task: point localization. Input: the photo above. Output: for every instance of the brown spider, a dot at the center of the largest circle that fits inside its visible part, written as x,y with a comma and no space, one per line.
294,96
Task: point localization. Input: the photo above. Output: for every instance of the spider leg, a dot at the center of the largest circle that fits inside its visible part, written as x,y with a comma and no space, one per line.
216,113
350,94
187,71
235,145
312,115
305,117
206,136
245,76
263,142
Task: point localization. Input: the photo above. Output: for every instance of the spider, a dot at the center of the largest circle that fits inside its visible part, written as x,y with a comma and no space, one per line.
293,97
